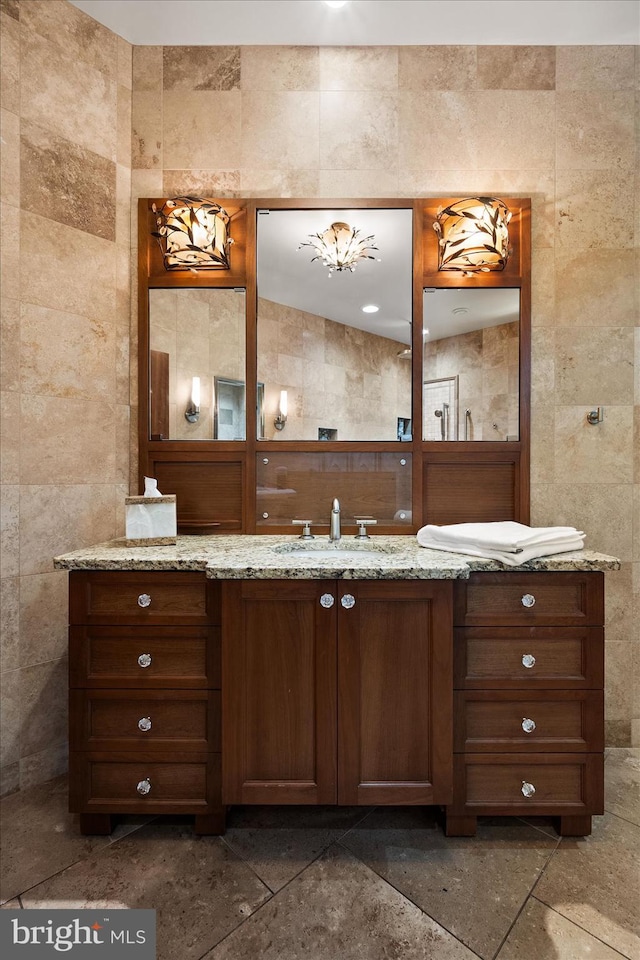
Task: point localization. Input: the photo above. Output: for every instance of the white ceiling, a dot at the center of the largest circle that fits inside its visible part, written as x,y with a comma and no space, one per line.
369,22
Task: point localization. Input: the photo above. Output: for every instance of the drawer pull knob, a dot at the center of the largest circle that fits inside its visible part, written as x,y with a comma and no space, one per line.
528,660
528,789
528,600
144,787
327,600
348,601
144,600
144,724
528,725
144,660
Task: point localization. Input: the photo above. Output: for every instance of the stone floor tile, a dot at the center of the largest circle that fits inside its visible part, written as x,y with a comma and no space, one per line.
11,905
199,888
40,837
278,842
473,886
544,934
338,908
595,882
622,783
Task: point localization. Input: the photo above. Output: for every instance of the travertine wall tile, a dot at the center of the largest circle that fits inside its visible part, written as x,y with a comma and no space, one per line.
358,68
258,182
11,8
125,64
594,455
358,130
78,34
10,623
187,69
9,63
358,183
279,68
44,604
52,99
618,666
10,167
585,200
45,764
43,700
66,355
279,131
85,431
10,717
10,437
201,128
595,130
67,269
84,515
10,530
597,289
201,183
9,778
594,365
10,251
437,67
619,618
147,69
146,130
66,183
517,68
595,68
10,344
602,510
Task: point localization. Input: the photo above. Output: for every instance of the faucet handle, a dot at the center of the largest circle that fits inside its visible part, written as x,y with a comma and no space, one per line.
363,523
306,529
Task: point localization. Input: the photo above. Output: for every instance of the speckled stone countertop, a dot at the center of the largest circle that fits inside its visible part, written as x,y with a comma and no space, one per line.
246,557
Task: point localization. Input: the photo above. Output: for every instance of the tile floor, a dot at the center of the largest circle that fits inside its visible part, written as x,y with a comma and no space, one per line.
345,883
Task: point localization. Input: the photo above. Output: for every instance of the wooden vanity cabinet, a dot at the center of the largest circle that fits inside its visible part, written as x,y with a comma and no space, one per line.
528,699
337,691
144,676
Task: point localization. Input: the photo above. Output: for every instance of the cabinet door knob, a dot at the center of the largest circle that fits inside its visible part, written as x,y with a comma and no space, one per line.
528,660
144,787
528,725
327,600
528,600
144,660
144,724
528,789
348,601
144,600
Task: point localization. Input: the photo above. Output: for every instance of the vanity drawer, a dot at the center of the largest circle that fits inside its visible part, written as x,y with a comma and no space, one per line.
520,599
162,597
188,720
521,658
563,783
498,720
179,657
112,783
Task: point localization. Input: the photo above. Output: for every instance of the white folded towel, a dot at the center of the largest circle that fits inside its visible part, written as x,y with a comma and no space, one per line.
507,541
506,536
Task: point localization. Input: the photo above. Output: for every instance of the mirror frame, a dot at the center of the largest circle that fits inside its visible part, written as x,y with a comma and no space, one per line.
441,471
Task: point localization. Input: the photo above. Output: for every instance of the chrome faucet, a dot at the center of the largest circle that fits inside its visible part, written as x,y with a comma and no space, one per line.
334,530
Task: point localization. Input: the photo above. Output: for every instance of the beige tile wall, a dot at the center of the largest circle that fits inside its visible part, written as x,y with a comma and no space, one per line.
65,191
557,124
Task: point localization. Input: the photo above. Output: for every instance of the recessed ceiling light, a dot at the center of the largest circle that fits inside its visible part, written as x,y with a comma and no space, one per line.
370,308
460,310
335,3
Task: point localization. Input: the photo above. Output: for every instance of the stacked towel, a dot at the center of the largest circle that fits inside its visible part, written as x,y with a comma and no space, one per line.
507,541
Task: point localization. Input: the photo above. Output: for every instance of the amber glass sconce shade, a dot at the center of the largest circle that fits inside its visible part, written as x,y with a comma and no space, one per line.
193,234
473,235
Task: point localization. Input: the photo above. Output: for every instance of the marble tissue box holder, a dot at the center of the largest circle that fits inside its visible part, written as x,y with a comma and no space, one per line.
150,521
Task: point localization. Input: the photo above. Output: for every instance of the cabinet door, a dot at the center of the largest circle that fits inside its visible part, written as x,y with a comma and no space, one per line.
395,692
279,691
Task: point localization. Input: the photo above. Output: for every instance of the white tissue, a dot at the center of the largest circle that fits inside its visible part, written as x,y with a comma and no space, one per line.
151,487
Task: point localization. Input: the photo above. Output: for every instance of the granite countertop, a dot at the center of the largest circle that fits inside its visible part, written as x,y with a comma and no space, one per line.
248,557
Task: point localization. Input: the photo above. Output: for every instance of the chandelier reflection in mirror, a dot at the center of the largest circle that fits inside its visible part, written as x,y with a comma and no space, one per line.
193,234
473,235
340,247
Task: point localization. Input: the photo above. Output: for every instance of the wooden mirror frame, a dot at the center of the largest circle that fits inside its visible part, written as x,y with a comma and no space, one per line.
452,482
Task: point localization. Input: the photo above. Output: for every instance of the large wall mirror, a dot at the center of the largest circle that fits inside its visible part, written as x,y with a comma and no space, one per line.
338,344
471,372
197,363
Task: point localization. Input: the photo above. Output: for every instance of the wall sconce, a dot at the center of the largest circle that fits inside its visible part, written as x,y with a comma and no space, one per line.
281,419
193,234
340,247
473,235
192,413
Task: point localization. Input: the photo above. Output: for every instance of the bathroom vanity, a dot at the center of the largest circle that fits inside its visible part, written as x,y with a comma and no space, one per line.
240,670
